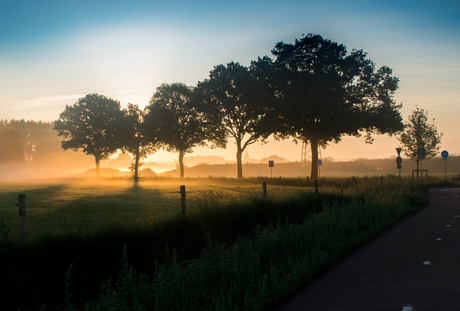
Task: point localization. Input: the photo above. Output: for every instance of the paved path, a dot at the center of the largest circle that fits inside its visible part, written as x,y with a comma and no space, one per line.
414,266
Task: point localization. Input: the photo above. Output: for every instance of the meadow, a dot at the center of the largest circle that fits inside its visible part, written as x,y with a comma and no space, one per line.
84,207
113,246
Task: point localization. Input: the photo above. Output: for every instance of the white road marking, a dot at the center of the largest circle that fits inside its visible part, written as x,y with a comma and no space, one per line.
426,263
447,225
407,308
438,239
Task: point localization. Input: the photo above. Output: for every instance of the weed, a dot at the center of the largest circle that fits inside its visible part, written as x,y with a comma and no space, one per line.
211,198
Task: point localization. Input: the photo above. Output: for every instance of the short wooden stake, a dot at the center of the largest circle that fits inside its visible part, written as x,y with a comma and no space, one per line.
264,187
22,216
316,185
182,199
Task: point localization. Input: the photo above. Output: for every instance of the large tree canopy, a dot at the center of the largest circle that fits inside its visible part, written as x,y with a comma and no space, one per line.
419,134
325,93
238,99
92,125
174,120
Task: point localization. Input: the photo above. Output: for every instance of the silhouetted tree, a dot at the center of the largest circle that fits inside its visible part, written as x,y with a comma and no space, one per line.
174,120
419,134
237,97
91,124
325,93
134,137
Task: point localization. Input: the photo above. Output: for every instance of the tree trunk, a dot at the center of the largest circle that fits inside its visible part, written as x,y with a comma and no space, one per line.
314,159
239,163
181,164
136,166
98,167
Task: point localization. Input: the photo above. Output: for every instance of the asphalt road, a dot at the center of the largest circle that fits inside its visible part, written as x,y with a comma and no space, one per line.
414,266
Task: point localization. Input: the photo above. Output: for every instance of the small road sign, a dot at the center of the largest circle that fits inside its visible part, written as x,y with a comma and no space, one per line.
398,150
319,162
271,163
398,160
421,153
444,154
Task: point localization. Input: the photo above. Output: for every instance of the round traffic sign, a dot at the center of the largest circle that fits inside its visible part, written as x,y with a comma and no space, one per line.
444,154
398,160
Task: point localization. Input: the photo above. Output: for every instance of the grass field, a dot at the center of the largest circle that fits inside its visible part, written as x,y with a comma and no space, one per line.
232,251
88,207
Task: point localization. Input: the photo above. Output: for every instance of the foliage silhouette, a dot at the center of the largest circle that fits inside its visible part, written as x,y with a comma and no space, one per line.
135,140
92,125
239,100
419,134
174,120
325,93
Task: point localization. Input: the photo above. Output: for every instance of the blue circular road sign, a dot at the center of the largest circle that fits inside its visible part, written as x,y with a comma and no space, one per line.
444,154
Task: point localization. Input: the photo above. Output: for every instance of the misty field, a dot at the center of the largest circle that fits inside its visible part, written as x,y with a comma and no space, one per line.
88,207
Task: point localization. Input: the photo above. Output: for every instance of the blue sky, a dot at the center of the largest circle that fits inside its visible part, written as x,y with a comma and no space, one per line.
53,52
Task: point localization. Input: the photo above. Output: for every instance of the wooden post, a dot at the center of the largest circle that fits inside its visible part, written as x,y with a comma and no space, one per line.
354,181
264,187
182,199
316,185
22,216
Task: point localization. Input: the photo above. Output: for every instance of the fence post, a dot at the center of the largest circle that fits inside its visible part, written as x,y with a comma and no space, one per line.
182,199
264,187
316,185
22,216
354,181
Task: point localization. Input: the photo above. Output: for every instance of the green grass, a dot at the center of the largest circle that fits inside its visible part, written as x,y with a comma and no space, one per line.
81,208
233,250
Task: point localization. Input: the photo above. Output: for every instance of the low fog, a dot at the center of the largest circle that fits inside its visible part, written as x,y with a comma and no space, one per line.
31,150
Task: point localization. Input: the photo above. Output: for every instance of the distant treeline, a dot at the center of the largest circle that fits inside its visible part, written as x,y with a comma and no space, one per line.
358,167
31,149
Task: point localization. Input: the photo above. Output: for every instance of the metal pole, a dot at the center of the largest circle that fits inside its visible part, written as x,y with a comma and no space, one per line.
445,169
421,170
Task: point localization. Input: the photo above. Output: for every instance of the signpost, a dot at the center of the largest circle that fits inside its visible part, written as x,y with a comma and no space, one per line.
271,164
399,161
319,163
444,156
421,156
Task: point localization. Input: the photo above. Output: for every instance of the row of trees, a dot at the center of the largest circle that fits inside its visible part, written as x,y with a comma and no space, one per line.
313,91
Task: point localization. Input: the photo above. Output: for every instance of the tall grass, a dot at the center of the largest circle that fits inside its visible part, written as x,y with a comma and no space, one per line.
258,270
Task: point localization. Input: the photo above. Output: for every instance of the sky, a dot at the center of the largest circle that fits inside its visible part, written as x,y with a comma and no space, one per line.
54,52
